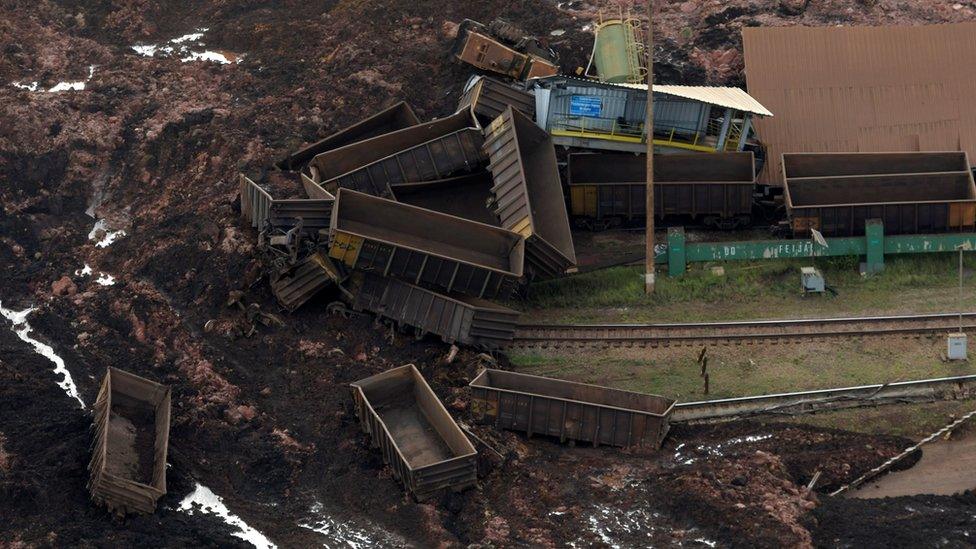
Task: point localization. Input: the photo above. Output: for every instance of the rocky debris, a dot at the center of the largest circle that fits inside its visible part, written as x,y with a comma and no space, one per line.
64,286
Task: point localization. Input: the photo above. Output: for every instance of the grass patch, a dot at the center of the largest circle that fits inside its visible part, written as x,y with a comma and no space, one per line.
745,370
760,289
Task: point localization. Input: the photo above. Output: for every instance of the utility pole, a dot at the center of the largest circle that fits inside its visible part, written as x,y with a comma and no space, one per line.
649,131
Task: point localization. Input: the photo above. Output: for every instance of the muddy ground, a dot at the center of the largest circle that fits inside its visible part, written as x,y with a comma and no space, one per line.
152,145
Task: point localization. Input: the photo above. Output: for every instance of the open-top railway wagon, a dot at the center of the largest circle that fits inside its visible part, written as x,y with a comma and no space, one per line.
713,189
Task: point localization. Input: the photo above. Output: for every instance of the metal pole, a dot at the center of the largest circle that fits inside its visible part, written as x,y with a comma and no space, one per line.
649,131
960,289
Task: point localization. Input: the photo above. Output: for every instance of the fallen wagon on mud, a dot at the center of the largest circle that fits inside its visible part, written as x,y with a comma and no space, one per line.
419,439
344,160
423,247
439,158
466,320
528,192
715,189
396,117
474,45
127,471
836,193
488,98
294,286
569,410
262,210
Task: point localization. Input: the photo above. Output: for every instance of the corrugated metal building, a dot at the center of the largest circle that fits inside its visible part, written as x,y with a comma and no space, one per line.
587,113
863,89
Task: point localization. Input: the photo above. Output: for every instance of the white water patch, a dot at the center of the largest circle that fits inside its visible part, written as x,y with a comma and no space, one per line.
206,501
717,449
109,236
189,47
105,279
23,329
192,37
207,56
85,271
343,533
78,85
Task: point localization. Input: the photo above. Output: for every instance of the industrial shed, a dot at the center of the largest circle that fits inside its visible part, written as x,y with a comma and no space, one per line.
863,89
586,113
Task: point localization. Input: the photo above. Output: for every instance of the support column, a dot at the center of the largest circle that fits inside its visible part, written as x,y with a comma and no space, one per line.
726,124
746,126
874,238
677,259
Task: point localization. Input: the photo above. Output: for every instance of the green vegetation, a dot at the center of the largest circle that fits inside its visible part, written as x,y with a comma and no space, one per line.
747,290
743,370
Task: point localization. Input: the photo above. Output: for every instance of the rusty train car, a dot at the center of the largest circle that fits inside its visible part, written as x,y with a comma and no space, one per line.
466,320
713,189
418,438
127,471
393,118
568,410
528,196
912,193
427,248
475,46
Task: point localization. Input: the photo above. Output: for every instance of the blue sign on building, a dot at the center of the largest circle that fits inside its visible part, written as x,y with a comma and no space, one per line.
586,105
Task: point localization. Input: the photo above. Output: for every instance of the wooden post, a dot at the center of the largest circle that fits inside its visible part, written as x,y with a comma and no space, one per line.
649,131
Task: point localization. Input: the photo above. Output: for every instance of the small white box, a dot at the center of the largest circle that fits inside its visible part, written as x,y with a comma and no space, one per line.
957,346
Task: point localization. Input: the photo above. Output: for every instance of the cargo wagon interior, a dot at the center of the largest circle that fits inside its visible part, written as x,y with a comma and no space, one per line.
463,196
422,430
939,187
132,442
420,229
838,164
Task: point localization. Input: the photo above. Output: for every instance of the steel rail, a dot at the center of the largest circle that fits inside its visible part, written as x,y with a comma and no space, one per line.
556,335
926,390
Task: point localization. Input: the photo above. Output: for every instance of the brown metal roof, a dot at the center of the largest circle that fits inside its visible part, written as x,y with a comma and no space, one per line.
862,89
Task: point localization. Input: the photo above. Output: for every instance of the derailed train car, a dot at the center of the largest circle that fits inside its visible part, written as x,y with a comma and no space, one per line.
127,471
430,249
346,160
714,189
528,196
393,118
568,410
475,45
465,320
419,439
836,193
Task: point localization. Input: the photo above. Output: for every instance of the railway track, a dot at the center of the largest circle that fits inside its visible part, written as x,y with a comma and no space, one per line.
736,333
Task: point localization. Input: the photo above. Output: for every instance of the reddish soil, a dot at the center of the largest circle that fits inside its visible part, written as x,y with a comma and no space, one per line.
153,146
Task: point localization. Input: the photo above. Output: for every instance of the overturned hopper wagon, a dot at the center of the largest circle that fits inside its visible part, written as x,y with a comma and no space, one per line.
466,196
568,410
436,159
466,320
488,98
127,472
388,120
714,189
422,444
303,281
474,46
260,209
349,158
423,247
528,192
834,194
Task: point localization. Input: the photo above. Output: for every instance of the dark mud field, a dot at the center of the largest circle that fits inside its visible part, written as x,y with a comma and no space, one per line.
152,146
